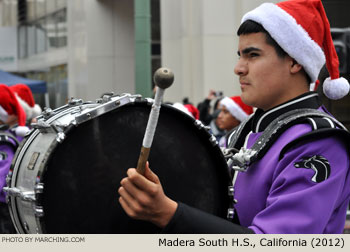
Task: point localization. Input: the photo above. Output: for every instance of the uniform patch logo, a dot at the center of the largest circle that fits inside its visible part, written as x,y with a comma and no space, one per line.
318,164
3,155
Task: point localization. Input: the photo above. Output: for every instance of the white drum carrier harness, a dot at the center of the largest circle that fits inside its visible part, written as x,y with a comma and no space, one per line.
239,158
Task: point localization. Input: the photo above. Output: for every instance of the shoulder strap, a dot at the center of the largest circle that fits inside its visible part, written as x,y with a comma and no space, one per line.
235,138
245,157
5,138
317,134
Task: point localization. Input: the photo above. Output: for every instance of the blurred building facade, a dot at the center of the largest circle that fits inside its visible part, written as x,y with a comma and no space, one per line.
199,43
40,43
83,48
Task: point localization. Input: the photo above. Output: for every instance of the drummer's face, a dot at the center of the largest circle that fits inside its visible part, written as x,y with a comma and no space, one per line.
262,73
11,120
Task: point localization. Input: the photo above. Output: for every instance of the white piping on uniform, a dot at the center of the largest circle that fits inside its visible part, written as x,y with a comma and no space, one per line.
313,123
330,122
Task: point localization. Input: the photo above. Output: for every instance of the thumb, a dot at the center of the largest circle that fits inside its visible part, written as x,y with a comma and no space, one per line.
149,174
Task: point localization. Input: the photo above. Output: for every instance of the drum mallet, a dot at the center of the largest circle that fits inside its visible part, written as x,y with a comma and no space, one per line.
163,78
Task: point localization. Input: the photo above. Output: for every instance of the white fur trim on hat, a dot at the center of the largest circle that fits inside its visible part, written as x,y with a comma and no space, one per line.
3,115
234,109
31,112
21,130
36,110
335,89
181,107
27,109
290,36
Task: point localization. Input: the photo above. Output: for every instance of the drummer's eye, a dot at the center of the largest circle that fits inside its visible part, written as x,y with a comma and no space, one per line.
253,55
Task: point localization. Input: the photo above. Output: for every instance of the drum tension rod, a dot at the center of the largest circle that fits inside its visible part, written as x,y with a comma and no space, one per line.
15,192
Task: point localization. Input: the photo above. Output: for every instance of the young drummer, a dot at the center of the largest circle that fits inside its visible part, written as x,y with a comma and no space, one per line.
301,184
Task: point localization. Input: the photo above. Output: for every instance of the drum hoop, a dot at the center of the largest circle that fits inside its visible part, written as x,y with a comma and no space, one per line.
15,215
104,108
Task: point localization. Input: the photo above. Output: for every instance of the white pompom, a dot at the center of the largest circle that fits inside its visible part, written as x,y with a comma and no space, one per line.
336,89
21,130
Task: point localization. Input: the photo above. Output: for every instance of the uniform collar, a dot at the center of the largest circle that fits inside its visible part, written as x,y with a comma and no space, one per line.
4,127
261,119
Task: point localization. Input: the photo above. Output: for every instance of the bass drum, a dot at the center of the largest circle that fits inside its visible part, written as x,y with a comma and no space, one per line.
66,174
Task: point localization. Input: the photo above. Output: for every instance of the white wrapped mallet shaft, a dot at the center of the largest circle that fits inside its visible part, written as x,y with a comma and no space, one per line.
163,78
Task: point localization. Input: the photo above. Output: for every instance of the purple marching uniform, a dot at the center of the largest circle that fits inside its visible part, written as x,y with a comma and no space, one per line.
7,153
302,189
8,147
294,202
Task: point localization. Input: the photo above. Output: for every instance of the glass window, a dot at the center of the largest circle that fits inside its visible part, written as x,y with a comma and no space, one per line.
46,26
31,40
41,37
51,31
22,41
61,18
155,20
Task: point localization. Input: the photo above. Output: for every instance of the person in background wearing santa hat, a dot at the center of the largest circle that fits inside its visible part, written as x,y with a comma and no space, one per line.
12,131
233,112
208,118
189,109
26,100
301,184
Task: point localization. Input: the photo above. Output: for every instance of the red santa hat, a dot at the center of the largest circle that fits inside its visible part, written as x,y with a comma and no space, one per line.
188,109
26,100
3,114
236,107
302,29
10,105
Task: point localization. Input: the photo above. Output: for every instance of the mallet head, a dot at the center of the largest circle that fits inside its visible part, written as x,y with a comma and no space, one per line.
163,77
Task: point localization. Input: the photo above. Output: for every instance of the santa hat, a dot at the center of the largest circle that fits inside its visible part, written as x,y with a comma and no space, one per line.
188,109
10,105
302,30
236,107
3,114
26,100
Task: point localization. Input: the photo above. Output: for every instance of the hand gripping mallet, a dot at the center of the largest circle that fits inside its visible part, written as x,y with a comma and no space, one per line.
163,78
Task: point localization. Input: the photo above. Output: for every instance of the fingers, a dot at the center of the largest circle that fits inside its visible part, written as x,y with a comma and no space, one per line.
150,174
142,197
129,190
139,188
123,192
128,203
126,207
147,183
